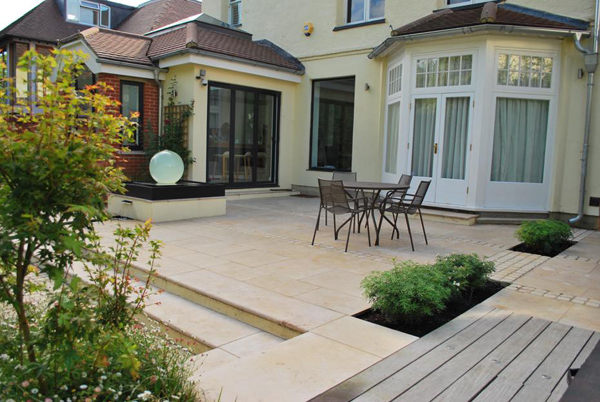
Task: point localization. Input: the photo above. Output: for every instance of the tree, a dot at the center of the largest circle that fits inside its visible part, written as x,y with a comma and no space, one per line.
57,166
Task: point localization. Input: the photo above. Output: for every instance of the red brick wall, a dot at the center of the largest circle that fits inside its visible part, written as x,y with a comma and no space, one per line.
135,164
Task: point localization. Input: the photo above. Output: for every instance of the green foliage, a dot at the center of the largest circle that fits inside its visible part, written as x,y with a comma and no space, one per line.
412,292
172,137
465,272
57,166
409,291
544,236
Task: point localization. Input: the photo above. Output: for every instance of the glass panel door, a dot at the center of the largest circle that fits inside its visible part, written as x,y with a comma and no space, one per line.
391,145
266,137
451,187
424,133
242,136
219,134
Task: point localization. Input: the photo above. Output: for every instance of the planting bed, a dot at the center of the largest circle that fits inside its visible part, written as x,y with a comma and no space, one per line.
454,309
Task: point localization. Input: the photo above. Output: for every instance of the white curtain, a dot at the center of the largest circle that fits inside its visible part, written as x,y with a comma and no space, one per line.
423,137
393,127
456,131
520,140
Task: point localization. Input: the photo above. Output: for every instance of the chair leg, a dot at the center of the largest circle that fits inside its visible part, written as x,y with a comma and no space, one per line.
349,230
335,231
409,232
368,229
396,226
317,226
423,226
325,218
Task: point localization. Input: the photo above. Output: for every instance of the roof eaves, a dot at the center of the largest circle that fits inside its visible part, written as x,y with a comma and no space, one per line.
580,24
229,58
556,32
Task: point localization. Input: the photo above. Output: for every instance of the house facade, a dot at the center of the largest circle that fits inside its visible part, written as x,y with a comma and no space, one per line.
487,102
485,99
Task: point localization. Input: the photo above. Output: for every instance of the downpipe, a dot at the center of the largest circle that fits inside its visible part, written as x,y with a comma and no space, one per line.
591,63
160,100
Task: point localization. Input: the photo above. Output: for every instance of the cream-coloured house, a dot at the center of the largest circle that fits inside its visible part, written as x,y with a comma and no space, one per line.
485,99
491,110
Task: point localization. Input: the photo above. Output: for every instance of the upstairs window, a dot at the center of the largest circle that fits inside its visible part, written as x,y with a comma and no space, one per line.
235,12
88,13
365,10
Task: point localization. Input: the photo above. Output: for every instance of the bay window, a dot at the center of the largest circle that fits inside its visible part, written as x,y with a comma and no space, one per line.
364,10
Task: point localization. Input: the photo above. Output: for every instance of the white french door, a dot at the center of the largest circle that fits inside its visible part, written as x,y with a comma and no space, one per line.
440,145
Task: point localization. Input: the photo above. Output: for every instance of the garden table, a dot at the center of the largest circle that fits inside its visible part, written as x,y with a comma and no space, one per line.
376,188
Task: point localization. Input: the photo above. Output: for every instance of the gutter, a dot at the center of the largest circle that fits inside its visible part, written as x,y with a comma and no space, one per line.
127,64
591,63
230,58
510,29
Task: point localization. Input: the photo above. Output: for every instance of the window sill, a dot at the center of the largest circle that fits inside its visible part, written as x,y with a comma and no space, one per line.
317,169
132,152
359,24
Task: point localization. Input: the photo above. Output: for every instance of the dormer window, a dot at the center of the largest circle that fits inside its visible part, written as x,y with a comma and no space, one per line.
458,3
364,11
235,13
88,13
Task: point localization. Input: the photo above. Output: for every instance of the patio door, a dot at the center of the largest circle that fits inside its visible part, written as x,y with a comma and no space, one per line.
242,136
441,130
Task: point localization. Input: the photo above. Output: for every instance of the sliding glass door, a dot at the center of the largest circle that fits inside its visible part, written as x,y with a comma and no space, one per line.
242,136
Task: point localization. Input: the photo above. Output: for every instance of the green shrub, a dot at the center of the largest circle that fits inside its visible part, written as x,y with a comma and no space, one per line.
465,272
544,236
409,291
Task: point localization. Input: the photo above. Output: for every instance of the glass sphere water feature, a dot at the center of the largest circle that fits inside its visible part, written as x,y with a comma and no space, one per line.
166,167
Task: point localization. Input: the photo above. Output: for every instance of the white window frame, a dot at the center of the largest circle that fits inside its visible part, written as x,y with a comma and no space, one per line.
230,16
527,90
366,14
465,3
448,88
391,99
98,7
531,195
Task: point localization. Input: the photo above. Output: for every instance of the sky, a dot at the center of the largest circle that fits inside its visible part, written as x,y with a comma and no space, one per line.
13,9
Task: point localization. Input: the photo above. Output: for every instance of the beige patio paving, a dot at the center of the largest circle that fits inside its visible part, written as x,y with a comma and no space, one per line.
259,258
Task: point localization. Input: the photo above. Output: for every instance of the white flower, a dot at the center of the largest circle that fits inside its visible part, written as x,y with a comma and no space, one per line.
34,391
144,396
10,400
83,374
83,386
4,357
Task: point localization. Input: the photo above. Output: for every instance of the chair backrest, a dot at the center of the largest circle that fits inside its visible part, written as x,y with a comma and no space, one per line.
405,179
419,196
344,176
333,194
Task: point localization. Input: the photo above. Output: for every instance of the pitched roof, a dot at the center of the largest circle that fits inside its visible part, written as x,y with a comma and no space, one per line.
117,46
450,18
221,42
158,13
44,23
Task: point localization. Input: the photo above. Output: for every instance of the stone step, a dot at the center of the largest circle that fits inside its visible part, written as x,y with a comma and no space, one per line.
272,312
197,327
457,218
234,195
503,221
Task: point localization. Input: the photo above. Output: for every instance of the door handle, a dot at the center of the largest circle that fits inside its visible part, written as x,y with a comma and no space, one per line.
435,147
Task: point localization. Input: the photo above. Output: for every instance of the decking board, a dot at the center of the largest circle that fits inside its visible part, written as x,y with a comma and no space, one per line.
486,355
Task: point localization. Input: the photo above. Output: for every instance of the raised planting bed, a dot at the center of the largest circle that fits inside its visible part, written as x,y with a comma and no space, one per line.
182,190
522,248
427,325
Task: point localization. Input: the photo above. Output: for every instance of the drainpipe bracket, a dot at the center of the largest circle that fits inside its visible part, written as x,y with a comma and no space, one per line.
591,62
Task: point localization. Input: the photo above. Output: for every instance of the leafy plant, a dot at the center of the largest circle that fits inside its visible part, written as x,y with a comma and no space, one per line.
544,236
465,272
172,137
409,291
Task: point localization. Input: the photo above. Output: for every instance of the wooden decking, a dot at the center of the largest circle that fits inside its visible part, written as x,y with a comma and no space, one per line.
486,355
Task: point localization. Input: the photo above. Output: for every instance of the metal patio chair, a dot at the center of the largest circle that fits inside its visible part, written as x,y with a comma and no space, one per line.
405,179
336,201
408,204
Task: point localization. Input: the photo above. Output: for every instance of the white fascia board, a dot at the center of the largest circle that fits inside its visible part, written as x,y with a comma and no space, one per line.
97,67
188,58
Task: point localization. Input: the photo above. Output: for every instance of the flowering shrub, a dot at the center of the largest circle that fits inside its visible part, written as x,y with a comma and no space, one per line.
466,272
162,372
87,341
